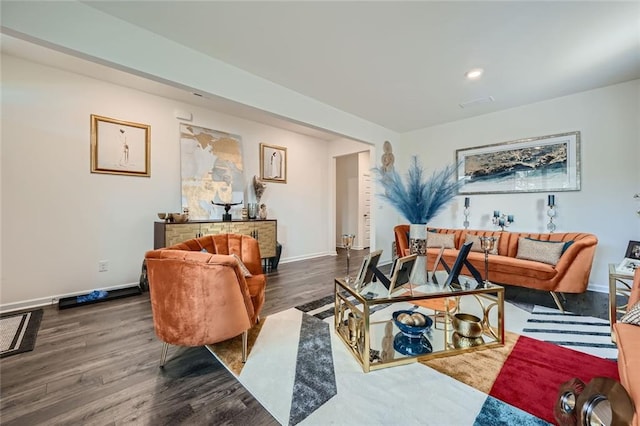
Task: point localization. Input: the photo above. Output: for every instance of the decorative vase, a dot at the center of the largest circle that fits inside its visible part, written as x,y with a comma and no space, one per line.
252,210
418,245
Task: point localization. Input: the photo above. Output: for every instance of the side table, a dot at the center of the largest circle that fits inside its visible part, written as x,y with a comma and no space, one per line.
619,285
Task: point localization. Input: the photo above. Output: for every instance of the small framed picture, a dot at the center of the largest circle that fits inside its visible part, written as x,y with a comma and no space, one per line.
273,163
369,263
633,250
120,147
402,271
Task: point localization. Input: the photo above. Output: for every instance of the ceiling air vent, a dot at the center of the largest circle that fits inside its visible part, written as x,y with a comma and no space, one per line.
475,102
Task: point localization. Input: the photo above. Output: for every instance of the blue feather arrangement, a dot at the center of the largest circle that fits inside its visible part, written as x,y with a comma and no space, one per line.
419,199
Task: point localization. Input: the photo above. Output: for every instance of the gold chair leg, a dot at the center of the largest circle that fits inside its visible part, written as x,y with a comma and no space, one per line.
163,355
245,342
555,299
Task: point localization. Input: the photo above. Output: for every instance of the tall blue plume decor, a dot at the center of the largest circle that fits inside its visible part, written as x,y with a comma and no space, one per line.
419,198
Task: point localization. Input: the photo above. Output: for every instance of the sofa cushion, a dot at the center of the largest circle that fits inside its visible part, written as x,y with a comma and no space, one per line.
435,239
632,316
541,251
476,243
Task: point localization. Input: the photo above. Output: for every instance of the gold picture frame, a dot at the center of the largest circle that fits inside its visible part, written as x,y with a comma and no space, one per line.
120,147
273,163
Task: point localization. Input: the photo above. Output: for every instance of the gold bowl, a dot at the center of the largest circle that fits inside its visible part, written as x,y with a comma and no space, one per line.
162,216
179,217
461,342
467,325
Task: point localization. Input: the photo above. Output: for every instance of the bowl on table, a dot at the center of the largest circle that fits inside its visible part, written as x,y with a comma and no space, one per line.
467,325
179,217
411,323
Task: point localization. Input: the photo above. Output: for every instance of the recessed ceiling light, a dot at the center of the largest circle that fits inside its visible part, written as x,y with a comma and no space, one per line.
474,74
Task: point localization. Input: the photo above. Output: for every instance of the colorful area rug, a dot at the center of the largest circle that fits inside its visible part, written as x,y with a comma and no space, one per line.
302,373
584,334
18,332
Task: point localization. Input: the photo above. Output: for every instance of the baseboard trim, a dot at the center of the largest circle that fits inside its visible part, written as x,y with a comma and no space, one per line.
308,256
53,300
599,288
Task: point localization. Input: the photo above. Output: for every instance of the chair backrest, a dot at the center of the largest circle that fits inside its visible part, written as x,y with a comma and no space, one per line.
246,247
197,298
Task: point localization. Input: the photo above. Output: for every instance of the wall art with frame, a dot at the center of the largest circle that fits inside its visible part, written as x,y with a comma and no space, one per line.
273,163
537,164
120,147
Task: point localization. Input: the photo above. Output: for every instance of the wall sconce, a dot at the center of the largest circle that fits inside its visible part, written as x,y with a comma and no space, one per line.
551,212
466,213
502,220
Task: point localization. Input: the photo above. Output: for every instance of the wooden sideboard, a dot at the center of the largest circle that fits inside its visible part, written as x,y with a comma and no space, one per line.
265,231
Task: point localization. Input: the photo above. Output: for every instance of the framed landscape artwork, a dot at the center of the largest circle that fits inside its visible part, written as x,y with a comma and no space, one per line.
120,147
538,164
273,163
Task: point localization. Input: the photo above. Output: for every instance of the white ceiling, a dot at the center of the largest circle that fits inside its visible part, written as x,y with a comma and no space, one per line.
401,64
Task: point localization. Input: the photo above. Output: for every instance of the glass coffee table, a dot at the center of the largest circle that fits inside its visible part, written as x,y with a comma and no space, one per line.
468,317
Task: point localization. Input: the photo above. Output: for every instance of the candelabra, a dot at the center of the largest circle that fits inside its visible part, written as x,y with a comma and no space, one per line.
551,202
347,242
487,244
502,220
466,213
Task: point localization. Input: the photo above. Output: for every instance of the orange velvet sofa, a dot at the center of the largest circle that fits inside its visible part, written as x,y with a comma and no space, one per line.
569,275
628,341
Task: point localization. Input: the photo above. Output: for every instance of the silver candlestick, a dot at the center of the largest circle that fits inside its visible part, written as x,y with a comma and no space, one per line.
466,213
502,220
551,203
347,243
487,244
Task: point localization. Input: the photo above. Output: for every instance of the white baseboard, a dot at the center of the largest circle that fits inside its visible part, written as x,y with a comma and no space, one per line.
53,300
307,256
598,288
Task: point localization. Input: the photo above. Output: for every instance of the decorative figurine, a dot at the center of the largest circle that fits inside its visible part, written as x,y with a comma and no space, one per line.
226,216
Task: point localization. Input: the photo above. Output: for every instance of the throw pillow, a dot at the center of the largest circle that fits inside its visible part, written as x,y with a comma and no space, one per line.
540,251
476,243
243,267
632,316
436,239
566,245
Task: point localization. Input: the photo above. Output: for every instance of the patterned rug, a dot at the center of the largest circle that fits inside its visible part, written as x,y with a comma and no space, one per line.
302,373
18,332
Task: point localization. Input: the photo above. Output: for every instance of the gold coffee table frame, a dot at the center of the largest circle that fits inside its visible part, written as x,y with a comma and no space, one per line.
354,325
619,285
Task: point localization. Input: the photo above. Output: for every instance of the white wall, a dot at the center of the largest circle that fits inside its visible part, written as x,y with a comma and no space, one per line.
59,220
609,122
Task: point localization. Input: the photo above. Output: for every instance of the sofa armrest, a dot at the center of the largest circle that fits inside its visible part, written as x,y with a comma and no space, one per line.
574,266
634,297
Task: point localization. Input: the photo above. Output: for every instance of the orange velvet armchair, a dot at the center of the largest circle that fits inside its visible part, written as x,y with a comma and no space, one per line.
202,297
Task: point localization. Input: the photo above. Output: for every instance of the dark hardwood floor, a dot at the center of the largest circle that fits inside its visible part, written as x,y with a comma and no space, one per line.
98,364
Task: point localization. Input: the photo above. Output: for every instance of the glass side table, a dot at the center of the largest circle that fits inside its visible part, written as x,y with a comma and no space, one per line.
619,285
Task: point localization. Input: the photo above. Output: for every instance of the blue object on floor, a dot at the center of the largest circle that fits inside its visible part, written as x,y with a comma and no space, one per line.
94,295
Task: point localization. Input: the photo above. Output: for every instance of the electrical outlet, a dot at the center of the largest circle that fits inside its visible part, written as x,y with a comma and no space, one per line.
103,266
